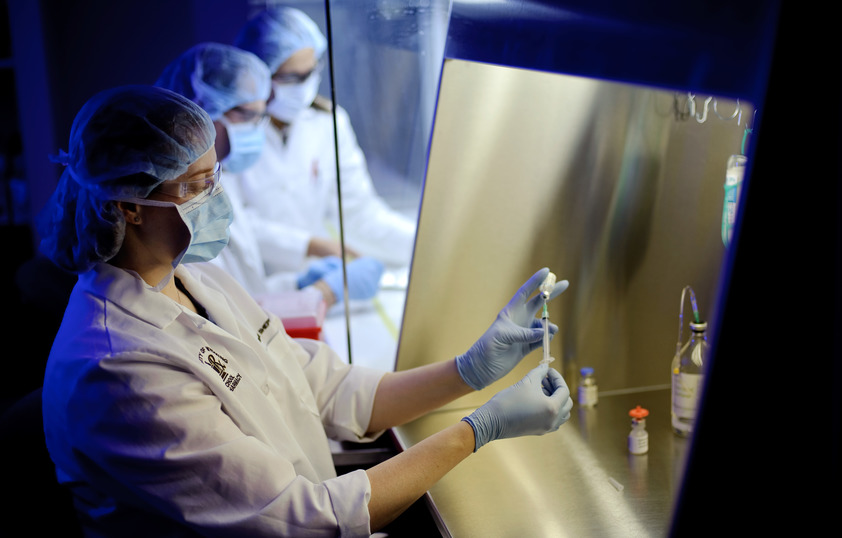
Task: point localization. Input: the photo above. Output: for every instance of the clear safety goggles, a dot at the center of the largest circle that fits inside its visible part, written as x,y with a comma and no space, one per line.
245,115
193,191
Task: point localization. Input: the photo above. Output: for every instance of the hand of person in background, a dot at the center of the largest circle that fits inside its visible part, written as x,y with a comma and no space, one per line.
537,404
321,247
363,279
514,334
317,269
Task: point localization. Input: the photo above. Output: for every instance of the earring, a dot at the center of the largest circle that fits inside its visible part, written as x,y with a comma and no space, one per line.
137,220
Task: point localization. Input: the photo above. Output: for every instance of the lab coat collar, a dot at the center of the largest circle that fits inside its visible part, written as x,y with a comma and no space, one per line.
207,294
128,291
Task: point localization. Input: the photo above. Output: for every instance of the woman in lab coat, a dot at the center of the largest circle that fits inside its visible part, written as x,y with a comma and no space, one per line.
174,405
291,190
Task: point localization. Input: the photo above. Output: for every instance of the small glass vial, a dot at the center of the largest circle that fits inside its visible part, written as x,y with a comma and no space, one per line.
587,388
687,378
639,437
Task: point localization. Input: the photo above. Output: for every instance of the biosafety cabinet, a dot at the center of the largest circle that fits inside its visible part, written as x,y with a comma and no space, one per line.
596,139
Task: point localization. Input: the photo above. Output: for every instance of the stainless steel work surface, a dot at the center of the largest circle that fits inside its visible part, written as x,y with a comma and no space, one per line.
579,481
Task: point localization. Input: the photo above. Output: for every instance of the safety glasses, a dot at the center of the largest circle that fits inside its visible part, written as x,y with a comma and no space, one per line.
245,115
193,190
298,78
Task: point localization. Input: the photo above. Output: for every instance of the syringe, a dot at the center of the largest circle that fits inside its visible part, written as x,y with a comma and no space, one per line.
546,289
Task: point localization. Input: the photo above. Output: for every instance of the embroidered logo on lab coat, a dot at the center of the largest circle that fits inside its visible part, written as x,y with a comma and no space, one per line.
262,329
219,364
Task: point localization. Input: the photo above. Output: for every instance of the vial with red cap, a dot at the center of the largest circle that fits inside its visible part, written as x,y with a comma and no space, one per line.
639,437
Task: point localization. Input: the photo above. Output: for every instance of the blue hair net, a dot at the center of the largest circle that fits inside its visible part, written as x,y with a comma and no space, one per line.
274,34
123,143
217,77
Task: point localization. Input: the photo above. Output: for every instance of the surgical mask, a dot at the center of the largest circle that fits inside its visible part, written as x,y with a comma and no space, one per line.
208,223
291,99
207,218
245,141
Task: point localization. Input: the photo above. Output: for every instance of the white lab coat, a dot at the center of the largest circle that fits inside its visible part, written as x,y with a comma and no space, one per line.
289,196
242,258
160,420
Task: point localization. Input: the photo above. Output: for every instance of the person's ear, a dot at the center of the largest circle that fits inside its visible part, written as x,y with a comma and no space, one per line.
131,212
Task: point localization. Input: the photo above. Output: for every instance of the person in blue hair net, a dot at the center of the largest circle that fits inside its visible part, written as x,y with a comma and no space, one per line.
291,190
174,405
233,85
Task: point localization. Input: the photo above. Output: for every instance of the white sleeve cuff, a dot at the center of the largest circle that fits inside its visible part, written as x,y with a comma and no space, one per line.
350,507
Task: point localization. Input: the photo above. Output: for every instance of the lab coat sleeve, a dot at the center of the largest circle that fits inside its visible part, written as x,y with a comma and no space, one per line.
259,247
245,258
242,262
155,437
283,281
283,247
264,256
241,257
344,394
370,225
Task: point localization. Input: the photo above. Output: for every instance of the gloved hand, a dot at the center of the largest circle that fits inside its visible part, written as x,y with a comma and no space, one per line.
316,270
537,404
514,334
363,279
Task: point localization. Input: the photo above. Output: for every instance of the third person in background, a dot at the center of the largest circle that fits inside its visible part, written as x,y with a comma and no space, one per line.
291,192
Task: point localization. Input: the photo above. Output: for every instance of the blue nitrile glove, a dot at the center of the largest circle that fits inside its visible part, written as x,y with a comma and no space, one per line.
537,404
363,279
316,270
514,334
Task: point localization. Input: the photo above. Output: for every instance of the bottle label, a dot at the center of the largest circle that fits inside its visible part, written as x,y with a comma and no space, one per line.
639,444
587,395
685,394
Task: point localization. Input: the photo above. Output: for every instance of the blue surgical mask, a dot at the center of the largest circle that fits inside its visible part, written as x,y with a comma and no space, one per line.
208,222
290,99
208,218
246,143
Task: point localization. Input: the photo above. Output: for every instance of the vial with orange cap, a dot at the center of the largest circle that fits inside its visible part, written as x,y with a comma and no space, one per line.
639,437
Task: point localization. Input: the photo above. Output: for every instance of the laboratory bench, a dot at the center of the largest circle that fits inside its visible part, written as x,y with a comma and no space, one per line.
578,481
